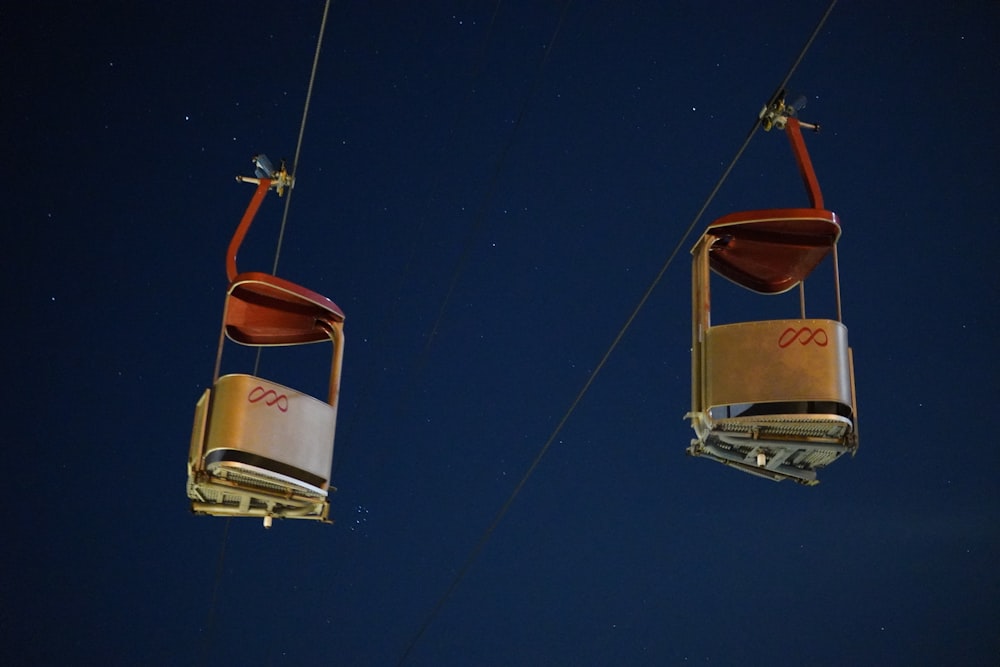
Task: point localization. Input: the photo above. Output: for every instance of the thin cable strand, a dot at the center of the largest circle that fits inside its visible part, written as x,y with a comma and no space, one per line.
456,275
481,543
302,131
369,384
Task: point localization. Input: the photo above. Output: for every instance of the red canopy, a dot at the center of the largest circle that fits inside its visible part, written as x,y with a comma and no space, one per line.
771,251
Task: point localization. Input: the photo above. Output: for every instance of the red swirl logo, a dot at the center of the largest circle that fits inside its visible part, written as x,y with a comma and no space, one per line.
269,396
805,335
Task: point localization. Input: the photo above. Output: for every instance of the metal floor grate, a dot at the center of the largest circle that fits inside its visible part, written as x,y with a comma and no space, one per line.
833,427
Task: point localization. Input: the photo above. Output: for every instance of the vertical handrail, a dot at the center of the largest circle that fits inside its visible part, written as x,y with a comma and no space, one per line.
701,321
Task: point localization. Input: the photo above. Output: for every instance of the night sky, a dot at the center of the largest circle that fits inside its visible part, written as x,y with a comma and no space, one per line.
487,198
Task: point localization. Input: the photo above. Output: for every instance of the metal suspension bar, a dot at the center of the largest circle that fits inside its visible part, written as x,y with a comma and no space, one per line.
836,282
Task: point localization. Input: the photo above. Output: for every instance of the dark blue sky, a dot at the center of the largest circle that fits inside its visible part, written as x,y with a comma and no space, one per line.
125,124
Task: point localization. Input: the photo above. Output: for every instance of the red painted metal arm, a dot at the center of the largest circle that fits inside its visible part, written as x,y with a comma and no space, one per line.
805,164
234,245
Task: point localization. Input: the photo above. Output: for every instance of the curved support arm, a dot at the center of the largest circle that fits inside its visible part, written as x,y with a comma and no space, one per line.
263,185
792,128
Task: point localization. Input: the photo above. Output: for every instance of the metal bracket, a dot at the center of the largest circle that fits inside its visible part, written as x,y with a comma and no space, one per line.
776,114
279,179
